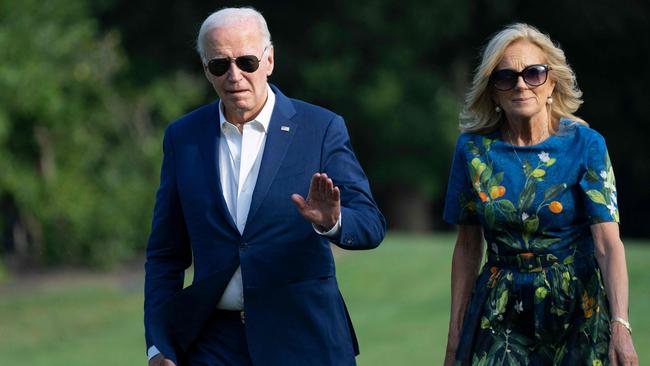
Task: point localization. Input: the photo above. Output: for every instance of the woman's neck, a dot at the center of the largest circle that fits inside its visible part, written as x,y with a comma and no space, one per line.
526,132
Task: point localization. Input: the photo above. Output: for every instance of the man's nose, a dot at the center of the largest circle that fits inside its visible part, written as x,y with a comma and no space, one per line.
234,73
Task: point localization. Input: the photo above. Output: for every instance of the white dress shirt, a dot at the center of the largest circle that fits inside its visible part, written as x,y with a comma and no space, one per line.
240,155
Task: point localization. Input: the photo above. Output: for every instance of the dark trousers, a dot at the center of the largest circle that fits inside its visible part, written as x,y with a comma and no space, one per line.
222,342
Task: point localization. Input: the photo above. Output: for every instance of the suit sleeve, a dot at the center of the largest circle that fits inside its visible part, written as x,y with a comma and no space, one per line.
363,226
168,250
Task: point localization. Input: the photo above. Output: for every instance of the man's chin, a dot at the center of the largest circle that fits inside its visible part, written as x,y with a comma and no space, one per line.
238,106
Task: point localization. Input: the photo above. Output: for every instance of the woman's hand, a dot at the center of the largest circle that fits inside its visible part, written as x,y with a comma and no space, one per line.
621,349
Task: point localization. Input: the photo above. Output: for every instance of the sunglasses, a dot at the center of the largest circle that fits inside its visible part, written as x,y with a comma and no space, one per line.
506,79
247,63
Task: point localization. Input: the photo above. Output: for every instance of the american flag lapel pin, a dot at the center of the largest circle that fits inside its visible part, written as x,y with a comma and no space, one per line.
285,128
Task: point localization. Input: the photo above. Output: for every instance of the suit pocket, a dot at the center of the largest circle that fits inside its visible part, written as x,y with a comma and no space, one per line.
310,280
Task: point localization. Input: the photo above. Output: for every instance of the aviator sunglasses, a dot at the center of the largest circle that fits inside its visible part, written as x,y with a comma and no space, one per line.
247,63
506,79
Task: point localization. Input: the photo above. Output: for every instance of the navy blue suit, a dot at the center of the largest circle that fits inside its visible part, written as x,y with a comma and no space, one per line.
295,314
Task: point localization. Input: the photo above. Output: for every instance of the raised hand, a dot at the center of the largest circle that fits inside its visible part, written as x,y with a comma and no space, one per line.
323,204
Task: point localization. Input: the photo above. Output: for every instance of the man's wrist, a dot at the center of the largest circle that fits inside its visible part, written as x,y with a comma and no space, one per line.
152,352
332,232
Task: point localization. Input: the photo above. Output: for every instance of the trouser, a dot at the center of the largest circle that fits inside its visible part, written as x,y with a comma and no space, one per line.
222,342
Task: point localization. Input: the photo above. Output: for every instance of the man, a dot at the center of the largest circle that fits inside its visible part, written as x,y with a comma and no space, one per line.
252,188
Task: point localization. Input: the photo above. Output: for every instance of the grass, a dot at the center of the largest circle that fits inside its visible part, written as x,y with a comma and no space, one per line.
398,296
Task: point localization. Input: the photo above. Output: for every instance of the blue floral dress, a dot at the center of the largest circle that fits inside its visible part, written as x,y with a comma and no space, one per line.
539,299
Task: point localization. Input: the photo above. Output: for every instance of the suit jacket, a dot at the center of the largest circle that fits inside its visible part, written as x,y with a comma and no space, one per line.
295,314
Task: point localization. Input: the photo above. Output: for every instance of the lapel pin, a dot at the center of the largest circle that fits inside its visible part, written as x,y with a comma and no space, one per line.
285,128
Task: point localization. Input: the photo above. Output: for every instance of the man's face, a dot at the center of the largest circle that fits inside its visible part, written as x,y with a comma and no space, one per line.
243,94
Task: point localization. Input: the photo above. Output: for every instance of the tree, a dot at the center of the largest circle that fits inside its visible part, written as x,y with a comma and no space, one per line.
79,145
398,72
393,72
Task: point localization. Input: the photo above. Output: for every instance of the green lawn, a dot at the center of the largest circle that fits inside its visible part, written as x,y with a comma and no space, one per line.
398,296
399,293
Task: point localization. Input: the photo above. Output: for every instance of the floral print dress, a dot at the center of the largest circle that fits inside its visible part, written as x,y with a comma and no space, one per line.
539,299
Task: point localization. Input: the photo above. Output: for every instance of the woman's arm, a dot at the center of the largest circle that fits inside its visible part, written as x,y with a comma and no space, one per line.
464,270
610,255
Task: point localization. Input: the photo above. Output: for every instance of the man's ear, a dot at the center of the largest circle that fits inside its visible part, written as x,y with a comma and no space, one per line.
270,57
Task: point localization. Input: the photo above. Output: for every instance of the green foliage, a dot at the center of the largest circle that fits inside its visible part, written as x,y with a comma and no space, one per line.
397,71
3,273
374,63
79,148
82,106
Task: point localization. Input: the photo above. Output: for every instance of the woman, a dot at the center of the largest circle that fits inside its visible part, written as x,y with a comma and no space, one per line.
536,182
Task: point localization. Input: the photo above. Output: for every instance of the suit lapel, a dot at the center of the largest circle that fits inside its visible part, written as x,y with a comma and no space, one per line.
280,133
210,134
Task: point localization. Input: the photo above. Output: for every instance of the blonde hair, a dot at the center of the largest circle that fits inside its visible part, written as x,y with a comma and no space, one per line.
479,114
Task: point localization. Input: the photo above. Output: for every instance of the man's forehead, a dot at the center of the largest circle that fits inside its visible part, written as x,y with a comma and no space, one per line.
229,37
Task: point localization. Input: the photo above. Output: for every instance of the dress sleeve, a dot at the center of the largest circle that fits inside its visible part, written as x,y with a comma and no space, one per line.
597,183
460,203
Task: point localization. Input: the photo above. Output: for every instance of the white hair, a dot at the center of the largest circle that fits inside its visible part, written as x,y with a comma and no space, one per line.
227,17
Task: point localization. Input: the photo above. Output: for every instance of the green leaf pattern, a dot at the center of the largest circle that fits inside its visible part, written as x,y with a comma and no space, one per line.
491,204
606,195
557,292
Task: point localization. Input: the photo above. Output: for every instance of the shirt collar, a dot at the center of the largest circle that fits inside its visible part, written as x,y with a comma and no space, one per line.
263,118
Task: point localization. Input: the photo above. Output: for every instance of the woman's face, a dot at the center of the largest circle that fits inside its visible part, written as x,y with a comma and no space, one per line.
523,101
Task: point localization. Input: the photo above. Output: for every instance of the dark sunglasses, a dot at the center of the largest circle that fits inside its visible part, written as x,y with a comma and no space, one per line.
506,79
247,63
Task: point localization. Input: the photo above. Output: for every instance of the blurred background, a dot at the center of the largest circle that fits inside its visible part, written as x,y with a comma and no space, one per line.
87,87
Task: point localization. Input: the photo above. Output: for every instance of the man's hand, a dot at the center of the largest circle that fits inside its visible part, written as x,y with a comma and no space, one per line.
323,205
160,360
